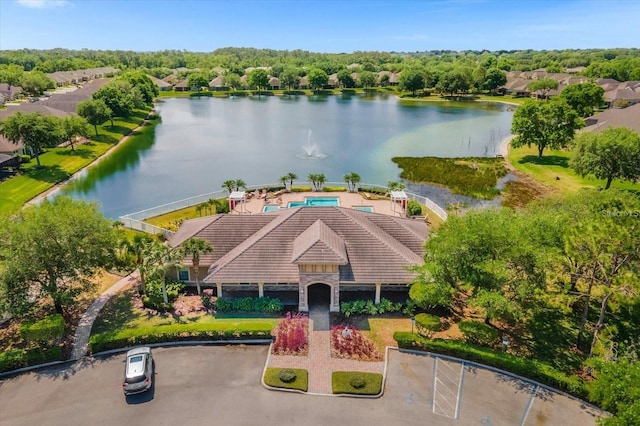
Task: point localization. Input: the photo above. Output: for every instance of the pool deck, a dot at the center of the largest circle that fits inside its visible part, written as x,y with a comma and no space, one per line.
255,204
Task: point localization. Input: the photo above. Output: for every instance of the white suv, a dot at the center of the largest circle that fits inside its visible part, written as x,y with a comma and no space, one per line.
138,371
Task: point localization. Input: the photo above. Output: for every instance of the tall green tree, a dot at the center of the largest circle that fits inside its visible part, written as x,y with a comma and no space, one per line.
317,78
118,96
232,80
290,78
493,79
617,390
73,127
194,248
197,81
95,111
228,184
543,86
36,82
143,83
258,78
612,154
345,79
584,98
317,180
367,79
550,124
53,250
412,79
34,130
453,81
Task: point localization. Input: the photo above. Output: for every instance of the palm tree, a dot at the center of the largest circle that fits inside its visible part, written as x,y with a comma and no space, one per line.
239,183
291,176
395,186
137,248
321,180
283,180
194,247
228,184
352,179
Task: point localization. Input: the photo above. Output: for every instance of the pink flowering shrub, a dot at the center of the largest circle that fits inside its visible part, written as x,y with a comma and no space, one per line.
291,335
350,343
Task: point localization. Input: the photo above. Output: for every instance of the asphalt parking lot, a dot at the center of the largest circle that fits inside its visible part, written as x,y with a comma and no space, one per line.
221,385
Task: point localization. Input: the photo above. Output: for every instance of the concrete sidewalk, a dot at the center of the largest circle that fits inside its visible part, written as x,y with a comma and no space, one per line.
81,338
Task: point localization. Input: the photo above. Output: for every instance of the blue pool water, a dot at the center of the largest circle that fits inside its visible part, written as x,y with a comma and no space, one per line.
316,202
367,209
270,208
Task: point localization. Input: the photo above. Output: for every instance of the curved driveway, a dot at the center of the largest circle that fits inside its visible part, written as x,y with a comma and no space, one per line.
221,385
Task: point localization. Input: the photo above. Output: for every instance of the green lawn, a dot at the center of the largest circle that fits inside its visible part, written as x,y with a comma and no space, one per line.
59,164
553,170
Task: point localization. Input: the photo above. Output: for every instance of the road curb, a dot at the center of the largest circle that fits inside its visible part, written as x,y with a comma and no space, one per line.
69,362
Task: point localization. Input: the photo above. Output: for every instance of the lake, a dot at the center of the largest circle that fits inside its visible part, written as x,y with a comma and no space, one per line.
202,142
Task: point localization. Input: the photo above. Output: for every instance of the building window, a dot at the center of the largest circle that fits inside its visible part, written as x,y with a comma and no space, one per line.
183,275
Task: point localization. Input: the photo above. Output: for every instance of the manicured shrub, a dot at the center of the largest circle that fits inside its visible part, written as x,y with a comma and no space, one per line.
367,307
300,382
47,330
269,305
428,324
414,208
221,330
19,358
287,375
356,383
530,368
478,333
301,189
291,335
350,343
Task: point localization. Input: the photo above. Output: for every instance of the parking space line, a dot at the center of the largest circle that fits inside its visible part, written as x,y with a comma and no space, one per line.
527,408
460,385
446,398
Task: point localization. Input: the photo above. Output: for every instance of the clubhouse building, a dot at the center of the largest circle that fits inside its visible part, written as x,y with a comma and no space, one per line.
305,255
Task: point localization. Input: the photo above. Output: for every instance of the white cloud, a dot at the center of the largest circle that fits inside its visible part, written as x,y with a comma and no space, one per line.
42,4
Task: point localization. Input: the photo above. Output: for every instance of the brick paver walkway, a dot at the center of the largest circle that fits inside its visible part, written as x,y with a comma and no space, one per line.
320,364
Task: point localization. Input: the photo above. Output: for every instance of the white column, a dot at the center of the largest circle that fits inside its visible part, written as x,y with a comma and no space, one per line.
378,286
302,299
219,289
335,298
260,289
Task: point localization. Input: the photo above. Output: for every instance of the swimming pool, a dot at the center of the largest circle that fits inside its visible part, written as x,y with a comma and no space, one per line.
316,202
367,209
270,209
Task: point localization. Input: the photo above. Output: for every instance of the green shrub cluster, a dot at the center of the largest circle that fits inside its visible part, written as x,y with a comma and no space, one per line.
269,305
20,358
180,332
24,159
478,333
377,191
414,208
287,375
356,383
427,324
153,298
334,189
530,368
301,189
272,377
367,307
48,330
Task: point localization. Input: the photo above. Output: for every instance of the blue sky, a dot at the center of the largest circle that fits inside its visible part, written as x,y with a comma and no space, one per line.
319,26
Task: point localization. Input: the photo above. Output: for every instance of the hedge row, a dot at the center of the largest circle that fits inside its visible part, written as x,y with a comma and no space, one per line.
531,369
20,358
269,305
180,332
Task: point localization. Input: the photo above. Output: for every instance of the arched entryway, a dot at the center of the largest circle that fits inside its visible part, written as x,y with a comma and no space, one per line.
319,301
319,295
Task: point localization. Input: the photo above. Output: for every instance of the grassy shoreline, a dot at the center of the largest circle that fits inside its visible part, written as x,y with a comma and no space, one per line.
61,164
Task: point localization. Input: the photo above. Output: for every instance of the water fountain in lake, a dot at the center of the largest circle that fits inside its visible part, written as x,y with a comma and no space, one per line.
311,150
